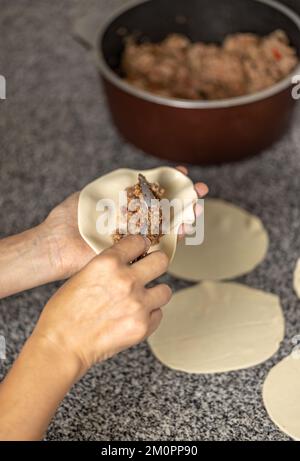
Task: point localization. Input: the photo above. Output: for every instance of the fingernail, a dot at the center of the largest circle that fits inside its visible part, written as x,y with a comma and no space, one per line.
202,189
148,243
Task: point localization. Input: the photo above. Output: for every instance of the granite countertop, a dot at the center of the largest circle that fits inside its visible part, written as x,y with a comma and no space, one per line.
55,137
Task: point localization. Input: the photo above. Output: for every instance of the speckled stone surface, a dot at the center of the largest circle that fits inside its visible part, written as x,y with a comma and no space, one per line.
56,136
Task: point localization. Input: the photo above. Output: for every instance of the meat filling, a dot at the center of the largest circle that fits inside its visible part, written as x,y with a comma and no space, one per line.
177,68
136,218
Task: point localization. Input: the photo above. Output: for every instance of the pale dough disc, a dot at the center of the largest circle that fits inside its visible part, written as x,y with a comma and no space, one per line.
297,279
216,327
234,243
281,395
177,186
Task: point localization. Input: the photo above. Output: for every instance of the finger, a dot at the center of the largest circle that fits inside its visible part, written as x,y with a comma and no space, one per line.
188,228
182,169
201,189
158,296
155,319
129,248
150,267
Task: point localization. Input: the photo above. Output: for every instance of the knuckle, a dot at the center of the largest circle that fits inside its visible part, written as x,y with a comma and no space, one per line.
136,305
125,284
137,328
110,261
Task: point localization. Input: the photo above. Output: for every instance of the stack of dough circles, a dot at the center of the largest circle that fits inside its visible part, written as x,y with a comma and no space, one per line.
217,327
281,395
235,242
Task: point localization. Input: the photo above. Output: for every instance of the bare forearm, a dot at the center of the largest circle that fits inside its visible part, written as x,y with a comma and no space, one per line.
33,389
26,261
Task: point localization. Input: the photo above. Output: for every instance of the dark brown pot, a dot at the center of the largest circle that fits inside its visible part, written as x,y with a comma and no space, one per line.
199,136
194,131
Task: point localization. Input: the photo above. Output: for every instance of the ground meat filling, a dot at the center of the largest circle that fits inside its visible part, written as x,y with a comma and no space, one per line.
177,68
154,217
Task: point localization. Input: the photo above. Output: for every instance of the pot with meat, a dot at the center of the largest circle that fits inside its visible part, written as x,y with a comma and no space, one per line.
203,81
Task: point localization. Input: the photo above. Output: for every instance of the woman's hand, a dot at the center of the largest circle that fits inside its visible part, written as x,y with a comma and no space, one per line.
106,308
69,252
102,310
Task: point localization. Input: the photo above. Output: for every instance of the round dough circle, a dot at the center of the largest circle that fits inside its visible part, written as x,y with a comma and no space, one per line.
216,327
281,395
235,242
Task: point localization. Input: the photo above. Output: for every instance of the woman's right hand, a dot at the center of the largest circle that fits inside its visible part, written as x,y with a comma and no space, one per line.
106,308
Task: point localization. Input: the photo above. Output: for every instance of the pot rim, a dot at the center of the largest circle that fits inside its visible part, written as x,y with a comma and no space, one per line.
112,77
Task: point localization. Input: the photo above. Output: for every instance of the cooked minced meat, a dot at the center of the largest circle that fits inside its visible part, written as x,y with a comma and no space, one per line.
177,68
135,193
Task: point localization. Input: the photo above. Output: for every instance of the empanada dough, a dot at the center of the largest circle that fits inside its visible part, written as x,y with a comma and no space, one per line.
176,185
281,395
217,327
234,243
297,278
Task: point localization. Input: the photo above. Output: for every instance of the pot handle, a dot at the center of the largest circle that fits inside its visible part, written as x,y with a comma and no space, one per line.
86,30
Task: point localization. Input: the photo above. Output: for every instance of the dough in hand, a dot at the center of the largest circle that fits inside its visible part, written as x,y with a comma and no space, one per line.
297,279
281,395
235,242
216,327
107,188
